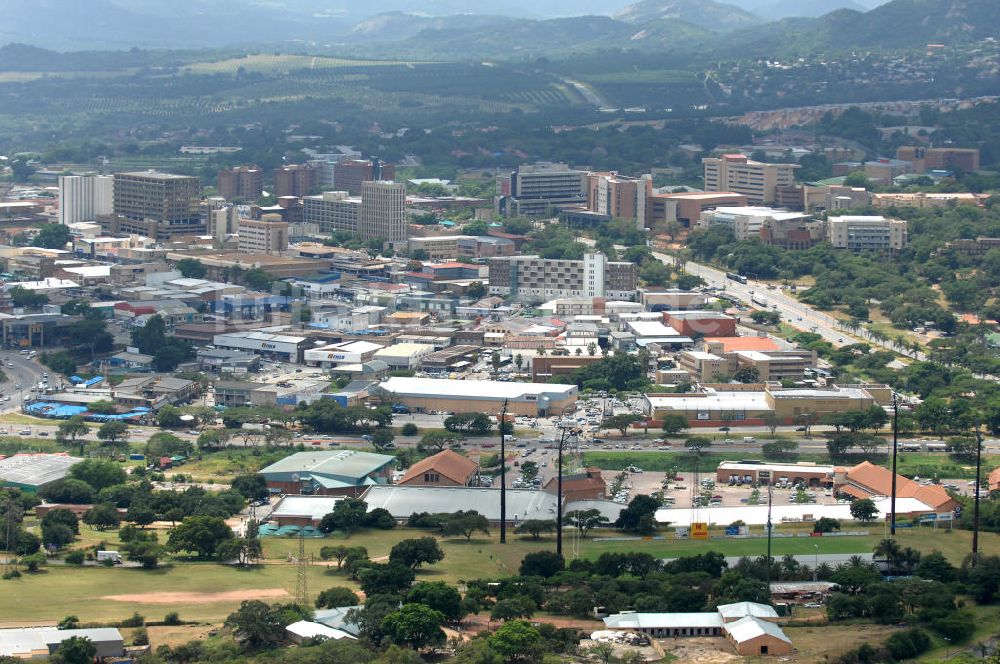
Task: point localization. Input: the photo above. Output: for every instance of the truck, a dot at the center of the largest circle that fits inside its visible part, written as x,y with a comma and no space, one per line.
113,556
749,440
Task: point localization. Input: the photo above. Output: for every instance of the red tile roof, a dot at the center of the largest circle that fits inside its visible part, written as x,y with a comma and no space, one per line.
447,463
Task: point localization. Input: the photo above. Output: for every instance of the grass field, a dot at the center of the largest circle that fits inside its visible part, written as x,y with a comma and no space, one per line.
269,63
61,591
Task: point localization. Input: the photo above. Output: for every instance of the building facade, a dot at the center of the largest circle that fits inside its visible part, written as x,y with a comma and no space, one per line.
332,211
156,205
85,197
531,278
241,182
350,175
756,180
867,233
536,190
383,212
264,236
295,180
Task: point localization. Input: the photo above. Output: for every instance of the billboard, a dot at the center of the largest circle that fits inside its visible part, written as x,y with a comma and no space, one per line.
699,530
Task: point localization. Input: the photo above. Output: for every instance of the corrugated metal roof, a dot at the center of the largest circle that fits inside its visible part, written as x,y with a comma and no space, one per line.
472,389
743,609
662,620
749,628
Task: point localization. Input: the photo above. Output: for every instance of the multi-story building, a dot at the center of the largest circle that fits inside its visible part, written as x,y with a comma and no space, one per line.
85,197
931,159
332,211
884,171
540,189
294,180
859,233
747,222
157,205
617,196
268,235
792,232
686,208
531,278
350,175
242,182
221,218
758,181
383,212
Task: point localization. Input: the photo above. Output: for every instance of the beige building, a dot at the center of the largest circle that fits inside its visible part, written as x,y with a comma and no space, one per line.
924,201
867,233
269,235
480,396
383,212
703,367
532,278
332,211
758,181
157,205
438,248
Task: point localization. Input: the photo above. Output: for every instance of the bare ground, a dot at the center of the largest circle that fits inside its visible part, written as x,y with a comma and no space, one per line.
199,598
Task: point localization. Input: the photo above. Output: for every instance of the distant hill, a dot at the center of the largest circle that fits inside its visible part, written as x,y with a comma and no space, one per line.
774,10
707,14
398,26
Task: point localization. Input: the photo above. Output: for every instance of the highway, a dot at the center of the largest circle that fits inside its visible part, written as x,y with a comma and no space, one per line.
21,376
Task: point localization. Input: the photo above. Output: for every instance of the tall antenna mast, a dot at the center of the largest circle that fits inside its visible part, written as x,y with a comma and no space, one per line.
302,577
503,474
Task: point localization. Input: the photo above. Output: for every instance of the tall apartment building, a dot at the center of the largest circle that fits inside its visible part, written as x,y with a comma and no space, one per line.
747,222
540,189
156,205
221,217
535,279
756,180
85,197
294,180
867,233
350,174
383,212
245,183
332,211
268,235
931,159
618,196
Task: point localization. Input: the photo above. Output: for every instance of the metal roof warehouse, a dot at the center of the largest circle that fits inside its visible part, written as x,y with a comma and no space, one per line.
329,473
477,396
33,471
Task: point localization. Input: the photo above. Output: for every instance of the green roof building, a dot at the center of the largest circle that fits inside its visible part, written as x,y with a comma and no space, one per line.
328,473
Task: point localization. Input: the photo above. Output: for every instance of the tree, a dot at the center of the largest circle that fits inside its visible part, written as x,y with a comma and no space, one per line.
386,579
535,527
35,561
864,510
476,290
826,525
256,625
28,299
71,429
382,440
74,650
52,236
654,273
771,421
113,433
168,417
674,423
639,514
244,550
70,491
439,596
213,439
409,429
201,535
585,520
191,268
698,444
516,641
251,487
465,523
779,448
347,515
145,552
336,597
98,473
622,422
415,552
529,470
414,625
102,517
511,608
542,563
748,374
435,441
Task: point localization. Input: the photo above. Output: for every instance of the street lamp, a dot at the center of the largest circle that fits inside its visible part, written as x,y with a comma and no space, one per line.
573,433
895,445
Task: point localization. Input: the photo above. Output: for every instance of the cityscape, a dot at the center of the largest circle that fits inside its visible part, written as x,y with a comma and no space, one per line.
652,332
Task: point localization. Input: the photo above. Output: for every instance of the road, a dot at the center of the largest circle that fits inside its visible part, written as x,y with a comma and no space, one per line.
23,372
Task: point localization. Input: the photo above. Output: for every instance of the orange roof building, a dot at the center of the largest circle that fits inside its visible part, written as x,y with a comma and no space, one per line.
866,480
723,345
587,485
446,468
993,480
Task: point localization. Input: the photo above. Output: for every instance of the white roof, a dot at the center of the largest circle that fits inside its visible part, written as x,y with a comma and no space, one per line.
474,389
312,507
744,609
779,468
404,350
44,284
90,270
702,355
749,628
756,515
309,630
749,401
651,329
662,620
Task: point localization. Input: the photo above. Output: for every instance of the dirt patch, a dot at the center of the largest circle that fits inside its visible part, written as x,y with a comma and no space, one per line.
199,598
175,635
699,651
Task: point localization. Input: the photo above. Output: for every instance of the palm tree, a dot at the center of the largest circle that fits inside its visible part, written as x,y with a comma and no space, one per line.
592,349
890,550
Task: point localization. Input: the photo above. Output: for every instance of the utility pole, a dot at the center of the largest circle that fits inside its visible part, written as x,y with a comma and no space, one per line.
895,445
562,439
975,508
769,496
503,475
302,575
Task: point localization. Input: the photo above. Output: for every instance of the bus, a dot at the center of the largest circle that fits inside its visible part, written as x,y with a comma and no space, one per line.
759,301
732,276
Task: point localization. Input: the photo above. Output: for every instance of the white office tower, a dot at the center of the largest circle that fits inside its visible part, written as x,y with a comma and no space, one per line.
85,197
593,274
383,212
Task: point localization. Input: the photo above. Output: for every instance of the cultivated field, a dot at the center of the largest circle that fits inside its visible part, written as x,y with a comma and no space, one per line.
270,63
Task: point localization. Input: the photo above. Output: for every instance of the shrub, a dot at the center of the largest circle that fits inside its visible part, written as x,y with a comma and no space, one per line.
908,644
410,429
172,618
135,621
75,558
140,637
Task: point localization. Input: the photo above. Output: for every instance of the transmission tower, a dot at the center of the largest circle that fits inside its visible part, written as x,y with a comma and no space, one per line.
302,578
9,538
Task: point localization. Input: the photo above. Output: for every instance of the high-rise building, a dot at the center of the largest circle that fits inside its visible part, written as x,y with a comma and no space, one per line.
85,197
350,174
295,180
383,212
221,217
872,233
931,159
267,235
332,211
756,180
536,190
619,197
156,205
535,279
242,182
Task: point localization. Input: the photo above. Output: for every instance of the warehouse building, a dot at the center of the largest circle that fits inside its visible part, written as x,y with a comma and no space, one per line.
32,472
404,355
303,510
332,473
345,352
34,643
481,396
283,347
747,472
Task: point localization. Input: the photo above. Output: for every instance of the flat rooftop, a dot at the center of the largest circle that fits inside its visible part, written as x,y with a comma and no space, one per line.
35,469
474,389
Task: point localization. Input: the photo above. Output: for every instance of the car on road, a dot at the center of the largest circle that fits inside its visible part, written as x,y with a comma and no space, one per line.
24,432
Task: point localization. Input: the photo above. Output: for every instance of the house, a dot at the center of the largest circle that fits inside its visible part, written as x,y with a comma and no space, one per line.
993,480
866,480
586,485
328,473
446,468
